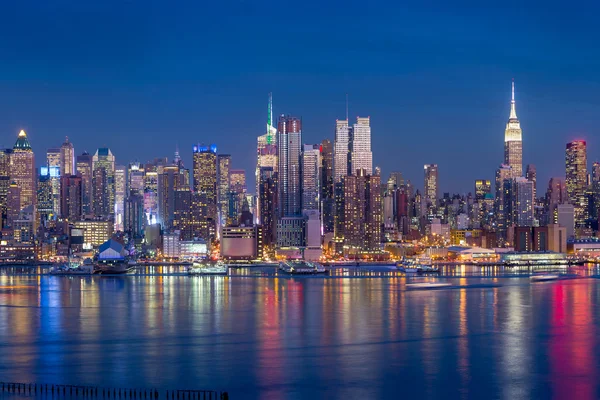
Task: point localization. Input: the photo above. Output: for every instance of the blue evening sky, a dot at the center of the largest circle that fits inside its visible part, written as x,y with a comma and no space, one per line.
142,77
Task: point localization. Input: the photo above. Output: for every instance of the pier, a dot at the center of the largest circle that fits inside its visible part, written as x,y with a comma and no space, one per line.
50,391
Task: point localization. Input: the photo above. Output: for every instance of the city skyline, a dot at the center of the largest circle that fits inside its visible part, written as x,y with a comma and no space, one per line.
444,187
428,76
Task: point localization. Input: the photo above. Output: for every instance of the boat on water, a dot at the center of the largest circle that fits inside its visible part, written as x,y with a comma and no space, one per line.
112,259
427,285
421,265
83,269
543,277
208,269
302,268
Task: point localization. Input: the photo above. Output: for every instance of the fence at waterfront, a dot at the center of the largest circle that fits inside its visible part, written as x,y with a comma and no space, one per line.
49,391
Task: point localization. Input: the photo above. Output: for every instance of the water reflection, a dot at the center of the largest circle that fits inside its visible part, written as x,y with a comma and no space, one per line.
272,337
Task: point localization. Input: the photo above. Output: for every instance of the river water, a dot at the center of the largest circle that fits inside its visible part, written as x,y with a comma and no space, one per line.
356,334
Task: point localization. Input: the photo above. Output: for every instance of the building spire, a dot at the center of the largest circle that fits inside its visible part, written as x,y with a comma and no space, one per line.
513,109
270,110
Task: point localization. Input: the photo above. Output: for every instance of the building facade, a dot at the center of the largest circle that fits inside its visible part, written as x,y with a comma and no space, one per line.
513,140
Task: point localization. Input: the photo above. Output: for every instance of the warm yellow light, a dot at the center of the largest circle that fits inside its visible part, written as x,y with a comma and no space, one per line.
22,133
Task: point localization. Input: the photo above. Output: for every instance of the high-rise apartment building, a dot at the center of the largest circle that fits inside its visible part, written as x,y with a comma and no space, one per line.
556,194
482,188
120,194
327,186
223,171
84,169
431,184
67,158
361,156
205,177
531,175
44,203
151,194
4,183
135,179
71,188
168,184
362,213
523,202
134,218
53,158
577,178
503,173
22,170
268,203
13,204
103,183
513,140
311,177
289,131
237,190
341,150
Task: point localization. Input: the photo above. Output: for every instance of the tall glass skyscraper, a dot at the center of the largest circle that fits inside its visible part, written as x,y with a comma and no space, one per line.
103,183
341,150
311,177
576,178
513,140
289,132
22,170
361,156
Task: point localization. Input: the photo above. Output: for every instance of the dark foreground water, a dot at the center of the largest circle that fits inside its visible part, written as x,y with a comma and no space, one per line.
268,337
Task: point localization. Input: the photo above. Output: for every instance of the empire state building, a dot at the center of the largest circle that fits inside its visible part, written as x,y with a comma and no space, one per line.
513,140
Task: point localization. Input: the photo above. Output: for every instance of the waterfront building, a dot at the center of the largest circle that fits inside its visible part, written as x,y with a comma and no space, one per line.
84,169
205,178
513,140
362,213
240,243
431,185
311,177
223,186
22,170
171,247
577,178
291,232
120,193
67,158
95,231
482,188
289,131
312,239
71,188
103,183
361,156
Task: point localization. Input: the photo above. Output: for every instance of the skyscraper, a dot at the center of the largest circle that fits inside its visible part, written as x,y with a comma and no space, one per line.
341,150
531,176
67,158
237,189
168,184
482,187
555,195
268,192
84,168
103,183
362,213
503,173
327,186
53,157
523,202
266,151
135,179
223,171
71,188
4,182
44,203
22,170
361,156
311,177
120,193
513,139
576,178
205,177
431,184
289,131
